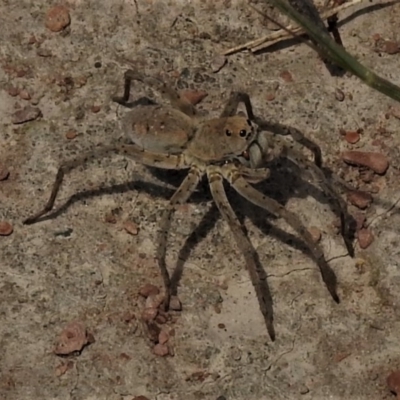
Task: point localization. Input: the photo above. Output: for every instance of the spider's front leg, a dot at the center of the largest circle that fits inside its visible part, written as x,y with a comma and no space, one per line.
150,159
256,272
177,101
346,220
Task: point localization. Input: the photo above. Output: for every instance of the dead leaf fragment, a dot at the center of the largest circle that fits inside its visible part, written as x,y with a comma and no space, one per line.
73,338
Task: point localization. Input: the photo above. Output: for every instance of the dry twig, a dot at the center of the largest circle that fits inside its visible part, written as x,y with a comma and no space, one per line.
282,34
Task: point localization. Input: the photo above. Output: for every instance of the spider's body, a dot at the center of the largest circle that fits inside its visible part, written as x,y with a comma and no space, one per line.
226,148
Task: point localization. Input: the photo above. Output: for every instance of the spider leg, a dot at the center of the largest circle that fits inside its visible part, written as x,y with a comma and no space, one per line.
181,195
272,206
319,176
231,107
257,274
254,175
176,100
150,159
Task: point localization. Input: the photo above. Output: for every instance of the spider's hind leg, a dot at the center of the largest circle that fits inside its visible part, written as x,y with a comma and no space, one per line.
168,92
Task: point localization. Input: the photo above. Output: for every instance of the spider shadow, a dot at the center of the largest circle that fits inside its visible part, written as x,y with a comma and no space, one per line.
281,171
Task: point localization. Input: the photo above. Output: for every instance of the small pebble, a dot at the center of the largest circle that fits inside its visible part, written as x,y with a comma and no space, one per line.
352,137
270,96
286,76
339,95
24,95
221,326
161,350
375,161
27,114
161,318
74,337
149,290
391,47
154,301
6,228
13,91
32,39
153,330
218,62
131,227
315,233
393,381
360,220
304,389
360,199
395,111
149,314
163,337
4,172
95,109
110,218
71,134
365,238
175,304
193,96
63,368
57,18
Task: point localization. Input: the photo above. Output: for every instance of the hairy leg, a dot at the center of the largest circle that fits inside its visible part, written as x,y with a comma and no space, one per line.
272,206
176,100
181,195
347,229
257,274
150,159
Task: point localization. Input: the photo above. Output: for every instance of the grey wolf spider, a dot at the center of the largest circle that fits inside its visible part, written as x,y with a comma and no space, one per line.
229,148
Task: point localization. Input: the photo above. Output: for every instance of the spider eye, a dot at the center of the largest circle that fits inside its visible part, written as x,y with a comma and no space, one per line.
242,133
228,132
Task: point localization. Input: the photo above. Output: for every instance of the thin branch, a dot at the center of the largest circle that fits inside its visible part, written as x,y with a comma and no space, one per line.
282,34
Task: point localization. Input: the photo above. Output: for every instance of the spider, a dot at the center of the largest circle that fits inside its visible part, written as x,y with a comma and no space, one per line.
233,147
